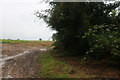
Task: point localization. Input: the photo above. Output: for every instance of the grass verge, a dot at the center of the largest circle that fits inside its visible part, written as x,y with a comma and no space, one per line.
52,68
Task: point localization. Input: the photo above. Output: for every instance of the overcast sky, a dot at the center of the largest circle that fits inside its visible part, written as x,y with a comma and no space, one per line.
19,22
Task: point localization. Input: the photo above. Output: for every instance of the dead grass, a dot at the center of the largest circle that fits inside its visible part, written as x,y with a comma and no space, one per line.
42,44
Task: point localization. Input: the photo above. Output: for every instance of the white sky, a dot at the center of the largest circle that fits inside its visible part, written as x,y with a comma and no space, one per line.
19,22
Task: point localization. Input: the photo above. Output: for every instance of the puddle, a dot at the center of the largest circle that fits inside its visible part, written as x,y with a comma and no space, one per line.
43,49
8,76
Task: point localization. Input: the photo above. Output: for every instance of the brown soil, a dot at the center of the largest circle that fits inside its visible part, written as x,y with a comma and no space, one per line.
24,66
16,48
99,69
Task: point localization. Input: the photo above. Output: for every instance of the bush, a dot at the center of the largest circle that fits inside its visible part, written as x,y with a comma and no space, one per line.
104,42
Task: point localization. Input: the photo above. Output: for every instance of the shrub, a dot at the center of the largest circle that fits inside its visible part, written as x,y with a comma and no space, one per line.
104,42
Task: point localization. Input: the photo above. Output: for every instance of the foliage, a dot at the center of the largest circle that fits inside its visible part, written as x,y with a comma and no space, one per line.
73,20
104,41
54,36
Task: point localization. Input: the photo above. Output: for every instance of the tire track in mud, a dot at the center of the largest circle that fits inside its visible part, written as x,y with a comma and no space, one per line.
2,60
23,65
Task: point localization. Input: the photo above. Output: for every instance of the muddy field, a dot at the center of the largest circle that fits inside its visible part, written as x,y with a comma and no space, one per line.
20,60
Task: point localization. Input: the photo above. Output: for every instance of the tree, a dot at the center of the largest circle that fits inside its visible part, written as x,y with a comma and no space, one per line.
40,39
72,20
54,37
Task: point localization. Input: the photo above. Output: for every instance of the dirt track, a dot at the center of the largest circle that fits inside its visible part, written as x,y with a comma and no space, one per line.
20,61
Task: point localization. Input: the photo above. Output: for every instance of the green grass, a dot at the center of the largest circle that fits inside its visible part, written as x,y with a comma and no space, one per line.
17,41
52,68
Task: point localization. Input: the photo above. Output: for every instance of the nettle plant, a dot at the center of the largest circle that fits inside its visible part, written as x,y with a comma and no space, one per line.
104,42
